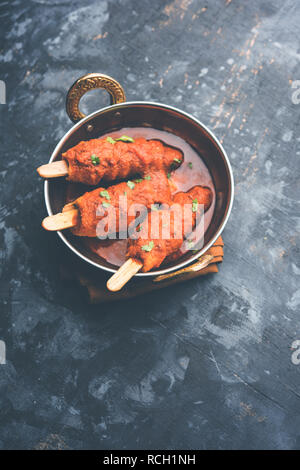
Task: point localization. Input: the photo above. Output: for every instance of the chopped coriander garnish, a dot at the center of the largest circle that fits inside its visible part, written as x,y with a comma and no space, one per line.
169,176
95,159
125,138
148,247
190,165
138,180
195,205
130,184
147,177
125,193
105,204
154,207
176,160
190,243
105,194
110,140
139,228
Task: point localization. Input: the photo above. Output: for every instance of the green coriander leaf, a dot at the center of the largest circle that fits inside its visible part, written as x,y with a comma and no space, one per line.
138,229
148,247
125,138
195,205
95,160
169,176
130,184
138,180
147,177
190,165
110,140
105,194
176,160
125,193
105,204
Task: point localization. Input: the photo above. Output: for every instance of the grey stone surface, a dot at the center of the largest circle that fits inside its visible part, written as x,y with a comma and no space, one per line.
206,364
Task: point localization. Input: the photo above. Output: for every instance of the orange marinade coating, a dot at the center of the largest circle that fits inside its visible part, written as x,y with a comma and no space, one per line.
162,248
119,160
91,205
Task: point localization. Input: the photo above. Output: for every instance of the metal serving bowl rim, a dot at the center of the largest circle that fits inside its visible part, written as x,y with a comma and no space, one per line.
158,105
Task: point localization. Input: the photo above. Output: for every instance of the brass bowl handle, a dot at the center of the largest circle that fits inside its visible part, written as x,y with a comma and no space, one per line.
89,82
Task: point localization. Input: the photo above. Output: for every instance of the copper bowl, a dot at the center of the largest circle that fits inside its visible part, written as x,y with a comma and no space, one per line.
140,114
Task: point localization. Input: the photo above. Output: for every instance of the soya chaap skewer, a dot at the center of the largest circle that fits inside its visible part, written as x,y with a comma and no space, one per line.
109,159
146,253
84,214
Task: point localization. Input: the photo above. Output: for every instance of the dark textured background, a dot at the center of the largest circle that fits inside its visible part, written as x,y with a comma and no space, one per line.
206,364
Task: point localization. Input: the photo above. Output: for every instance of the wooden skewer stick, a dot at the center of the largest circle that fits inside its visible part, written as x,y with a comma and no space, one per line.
132,266
69,207
124,274
54,169
200,264
61,221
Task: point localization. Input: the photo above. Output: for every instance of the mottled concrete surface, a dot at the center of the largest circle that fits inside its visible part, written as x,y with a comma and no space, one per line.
203,365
